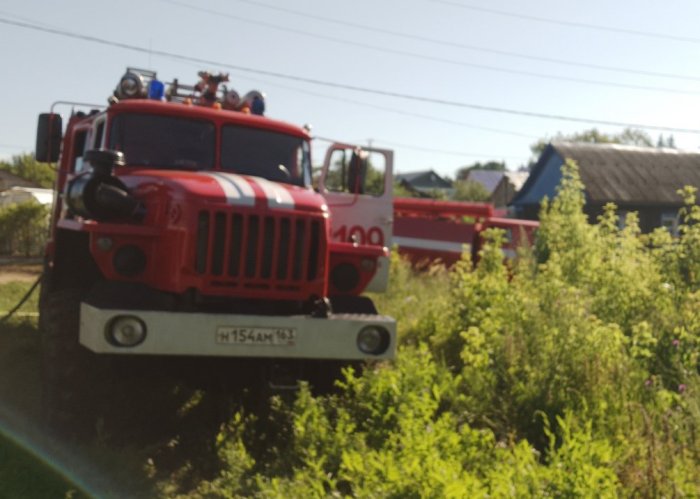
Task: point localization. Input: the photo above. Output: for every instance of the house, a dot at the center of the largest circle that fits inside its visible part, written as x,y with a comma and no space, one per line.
17,195
424,182
501,185
489,179
507,188
8,180
640,179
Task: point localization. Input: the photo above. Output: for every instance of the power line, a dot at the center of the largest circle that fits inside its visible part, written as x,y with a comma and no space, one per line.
427,149
442,60
449,153
611,29
403,112
354,88
477,48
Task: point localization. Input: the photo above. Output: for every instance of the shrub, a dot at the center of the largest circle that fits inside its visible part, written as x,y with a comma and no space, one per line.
24,228
573,373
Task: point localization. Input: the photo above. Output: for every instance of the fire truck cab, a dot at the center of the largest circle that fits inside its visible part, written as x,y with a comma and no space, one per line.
186,223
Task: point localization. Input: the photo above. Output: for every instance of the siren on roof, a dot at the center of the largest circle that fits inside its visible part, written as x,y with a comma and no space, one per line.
210,91
136,84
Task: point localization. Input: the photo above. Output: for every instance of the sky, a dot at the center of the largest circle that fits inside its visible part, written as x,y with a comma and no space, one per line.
444,83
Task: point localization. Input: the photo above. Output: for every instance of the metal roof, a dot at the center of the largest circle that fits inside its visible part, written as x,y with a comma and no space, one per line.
423,178
488,178
626,174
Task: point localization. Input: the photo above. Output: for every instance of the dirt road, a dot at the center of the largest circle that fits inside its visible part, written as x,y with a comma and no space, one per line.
22,272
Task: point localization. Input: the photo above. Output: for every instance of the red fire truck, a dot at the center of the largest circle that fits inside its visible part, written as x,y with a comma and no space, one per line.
186,224
427,230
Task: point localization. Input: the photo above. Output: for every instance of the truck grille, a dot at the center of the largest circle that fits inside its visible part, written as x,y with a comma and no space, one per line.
259,252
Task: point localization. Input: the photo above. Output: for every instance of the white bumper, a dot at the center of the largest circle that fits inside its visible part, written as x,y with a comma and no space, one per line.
179,333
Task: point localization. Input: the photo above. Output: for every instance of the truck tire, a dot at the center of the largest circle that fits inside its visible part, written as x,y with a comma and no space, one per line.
69,378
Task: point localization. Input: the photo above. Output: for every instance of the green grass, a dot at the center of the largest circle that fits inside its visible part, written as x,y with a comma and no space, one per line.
12,292
23,475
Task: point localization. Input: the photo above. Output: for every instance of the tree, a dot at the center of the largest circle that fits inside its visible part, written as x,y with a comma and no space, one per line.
463,172
468,190
669,143
629,136
26,167
23,228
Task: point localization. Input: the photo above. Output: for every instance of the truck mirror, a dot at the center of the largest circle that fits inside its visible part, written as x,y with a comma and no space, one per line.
49,133
357,172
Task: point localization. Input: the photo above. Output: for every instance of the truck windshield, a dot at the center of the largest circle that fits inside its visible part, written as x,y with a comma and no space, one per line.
166,142
262,153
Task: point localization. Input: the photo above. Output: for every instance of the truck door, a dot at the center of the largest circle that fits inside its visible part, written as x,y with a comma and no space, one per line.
358,186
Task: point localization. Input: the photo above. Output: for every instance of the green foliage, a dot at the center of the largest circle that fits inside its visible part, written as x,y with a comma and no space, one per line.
571,373
26,167
400,191
23,227
468,190
19,470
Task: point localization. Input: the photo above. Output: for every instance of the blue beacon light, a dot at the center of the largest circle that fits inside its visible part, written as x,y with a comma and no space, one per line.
258,106
156,90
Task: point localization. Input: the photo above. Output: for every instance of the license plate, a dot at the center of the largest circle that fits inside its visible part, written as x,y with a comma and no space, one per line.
262,336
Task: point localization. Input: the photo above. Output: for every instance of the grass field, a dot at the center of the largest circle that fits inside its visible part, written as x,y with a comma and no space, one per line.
22,473
174,429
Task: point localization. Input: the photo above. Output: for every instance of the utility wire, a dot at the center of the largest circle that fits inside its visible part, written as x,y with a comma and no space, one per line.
476,48
400,111
572,24
354,88
377,142
442,60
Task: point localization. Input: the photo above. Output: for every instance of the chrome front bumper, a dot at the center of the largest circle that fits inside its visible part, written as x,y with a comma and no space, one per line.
206,334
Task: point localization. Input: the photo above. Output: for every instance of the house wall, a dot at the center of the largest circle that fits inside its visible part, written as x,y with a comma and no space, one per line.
650,217
547,181
503,193
528,206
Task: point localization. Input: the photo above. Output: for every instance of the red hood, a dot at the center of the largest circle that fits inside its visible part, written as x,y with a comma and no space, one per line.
217,187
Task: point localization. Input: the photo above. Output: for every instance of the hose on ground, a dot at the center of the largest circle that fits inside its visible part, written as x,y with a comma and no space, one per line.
21,302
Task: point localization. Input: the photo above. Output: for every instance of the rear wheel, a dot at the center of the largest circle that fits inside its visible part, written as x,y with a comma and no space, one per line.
70,379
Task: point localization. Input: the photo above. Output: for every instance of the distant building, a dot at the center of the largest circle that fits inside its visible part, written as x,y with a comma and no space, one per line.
8,180
25,194
501,185
640,179
424,182
489,179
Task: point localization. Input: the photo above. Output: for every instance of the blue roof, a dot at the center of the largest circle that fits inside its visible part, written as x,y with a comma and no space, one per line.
488,178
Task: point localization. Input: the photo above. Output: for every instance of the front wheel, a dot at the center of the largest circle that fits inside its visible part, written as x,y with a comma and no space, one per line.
70,391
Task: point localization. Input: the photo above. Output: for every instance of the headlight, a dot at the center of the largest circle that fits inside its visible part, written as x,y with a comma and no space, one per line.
129,260
126,331
345,277
373,340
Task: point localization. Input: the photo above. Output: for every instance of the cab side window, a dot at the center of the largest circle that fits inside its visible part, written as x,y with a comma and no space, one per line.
356,172
99,133
79,140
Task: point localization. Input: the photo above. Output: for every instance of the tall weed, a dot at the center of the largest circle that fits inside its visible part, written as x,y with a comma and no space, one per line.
571,373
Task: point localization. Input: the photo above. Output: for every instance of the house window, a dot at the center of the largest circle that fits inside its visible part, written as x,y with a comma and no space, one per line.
622,219
669,221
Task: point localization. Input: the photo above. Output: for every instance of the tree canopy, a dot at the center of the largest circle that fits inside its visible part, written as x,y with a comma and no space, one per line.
26,167
629,136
